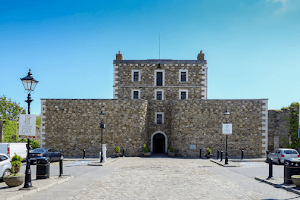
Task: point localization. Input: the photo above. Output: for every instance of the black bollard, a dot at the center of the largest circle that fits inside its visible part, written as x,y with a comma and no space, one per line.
123,153
61,167
242,154
270,168
221,155
218,154
200,154
83,153
267,153
226,159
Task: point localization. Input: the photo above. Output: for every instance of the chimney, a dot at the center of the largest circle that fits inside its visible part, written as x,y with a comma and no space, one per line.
119,56
200,56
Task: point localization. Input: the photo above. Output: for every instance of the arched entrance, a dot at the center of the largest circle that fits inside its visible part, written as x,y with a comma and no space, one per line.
159,142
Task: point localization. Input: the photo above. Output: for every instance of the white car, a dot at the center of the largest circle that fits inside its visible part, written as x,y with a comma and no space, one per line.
280,154
5,165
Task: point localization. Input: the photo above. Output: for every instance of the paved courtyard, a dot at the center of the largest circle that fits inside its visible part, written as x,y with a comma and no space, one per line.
161,177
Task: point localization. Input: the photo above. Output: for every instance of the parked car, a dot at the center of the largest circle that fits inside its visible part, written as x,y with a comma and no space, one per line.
5,165
11,148
52,154
280,154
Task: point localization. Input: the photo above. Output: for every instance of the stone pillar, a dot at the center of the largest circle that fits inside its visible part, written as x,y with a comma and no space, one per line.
200,56
119,56
1,130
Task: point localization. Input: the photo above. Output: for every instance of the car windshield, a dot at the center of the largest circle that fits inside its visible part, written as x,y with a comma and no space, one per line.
38,150
290,152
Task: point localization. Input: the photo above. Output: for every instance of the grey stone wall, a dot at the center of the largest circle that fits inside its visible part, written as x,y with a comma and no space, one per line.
199,122
73,125
278,128
196,84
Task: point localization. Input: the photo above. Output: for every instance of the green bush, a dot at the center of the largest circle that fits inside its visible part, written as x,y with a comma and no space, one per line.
145,149
171,149
16,163
208,151
118,149
34,144
10,131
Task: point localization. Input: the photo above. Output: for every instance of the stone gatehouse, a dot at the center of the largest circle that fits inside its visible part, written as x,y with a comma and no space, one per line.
160,103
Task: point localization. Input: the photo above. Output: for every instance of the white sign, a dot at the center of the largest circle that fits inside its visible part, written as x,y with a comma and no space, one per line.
227,129
27,124
192,146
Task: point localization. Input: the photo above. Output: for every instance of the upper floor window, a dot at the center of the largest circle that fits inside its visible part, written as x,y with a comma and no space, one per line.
183,94
159,94
159,118
135,75
135,94
183,75
159,77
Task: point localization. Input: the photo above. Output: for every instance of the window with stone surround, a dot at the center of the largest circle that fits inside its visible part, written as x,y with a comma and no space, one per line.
135,75
183,75
159,118
183,94
159,94
159,77
135,94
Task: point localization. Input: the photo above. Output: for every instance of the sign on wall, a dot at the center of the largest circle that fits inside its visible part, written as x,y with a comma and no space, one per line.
27,124
192,146
227,128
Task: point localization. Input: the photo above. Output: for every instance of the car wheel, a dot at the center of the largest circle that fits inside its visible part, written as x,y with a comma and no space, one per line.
49,159
6,172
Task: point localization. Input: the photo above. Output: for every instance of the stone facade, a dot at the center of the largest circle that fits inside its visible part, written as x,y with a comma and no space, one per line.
73,125
199,123
160,103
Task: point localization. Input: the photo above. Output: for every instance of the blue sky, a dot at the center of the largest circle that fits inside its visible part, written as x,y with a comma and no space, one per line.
251,47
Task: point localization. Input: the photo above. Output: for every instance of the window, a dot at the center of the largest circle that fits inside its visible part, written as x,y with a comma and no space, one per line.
135,94
159,94
159,77
135,75
183,94
183,75
159,118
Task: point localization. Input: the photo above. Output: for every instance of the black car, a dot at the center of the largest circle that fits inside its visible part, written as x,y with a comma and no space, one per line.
50,153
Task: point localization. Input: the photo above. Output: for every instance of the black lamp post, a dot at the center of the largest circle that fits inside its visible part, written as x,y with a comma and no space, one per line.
226,156
102,126
29,84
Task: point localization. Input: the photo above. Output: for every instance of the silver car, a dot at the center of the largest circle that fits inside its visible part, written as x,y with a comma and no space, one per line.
5,165
280,154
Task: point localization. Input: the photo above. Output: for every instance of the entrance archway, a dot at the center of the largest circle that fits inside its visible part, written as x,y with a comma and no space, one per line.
159,141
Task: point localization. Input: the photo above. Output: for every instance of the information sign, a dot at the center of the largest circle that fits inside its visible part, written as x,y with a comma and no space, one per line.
227,129
27,125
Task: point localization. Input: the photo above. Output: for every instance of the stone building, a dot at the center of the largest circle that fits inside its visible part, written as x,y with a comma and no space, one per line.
160,103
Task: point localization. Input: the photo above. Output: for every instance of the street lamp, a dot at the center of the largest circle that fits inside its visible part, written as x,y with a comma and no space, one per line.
102,126
29,84
227,113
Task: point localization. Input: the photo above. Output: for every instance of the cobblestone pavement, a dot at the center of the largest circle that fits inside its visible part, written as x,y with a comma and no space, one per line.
164,178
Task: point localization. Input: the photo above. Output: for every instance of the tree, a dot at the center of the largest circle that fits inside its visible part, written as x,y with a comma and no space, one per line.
10,110
38,121
293,126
